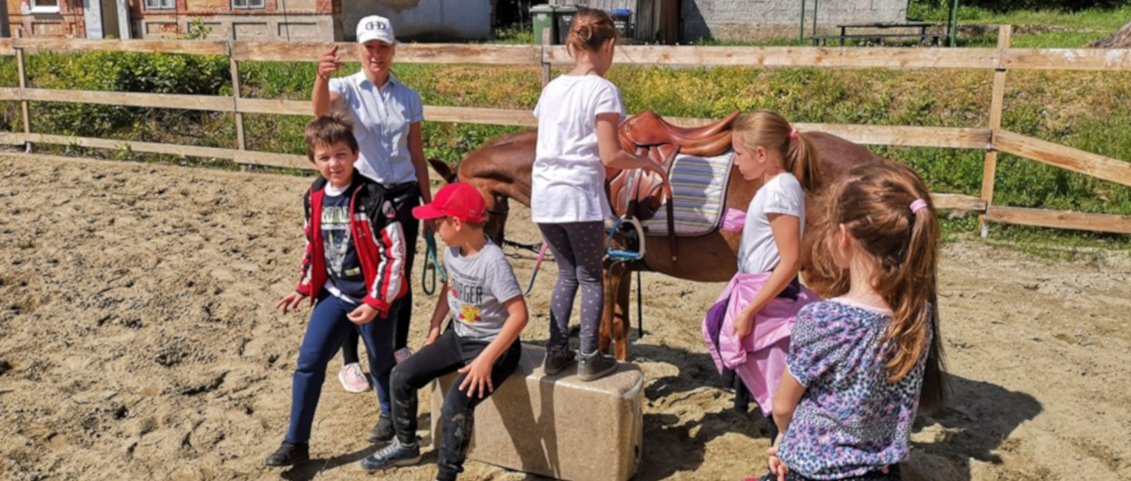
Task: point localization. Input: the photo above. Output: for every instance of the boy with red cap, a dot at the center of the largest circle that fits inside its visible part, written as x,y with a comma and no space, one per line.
485,302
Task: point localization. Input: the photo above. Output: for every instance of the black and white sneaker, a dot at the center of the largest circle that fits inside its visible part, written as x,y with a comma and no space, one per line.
395,454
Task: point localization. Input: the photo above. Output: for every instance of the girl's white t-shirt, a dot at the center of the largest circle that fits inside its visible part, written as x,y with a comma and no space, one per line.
568,179
757,252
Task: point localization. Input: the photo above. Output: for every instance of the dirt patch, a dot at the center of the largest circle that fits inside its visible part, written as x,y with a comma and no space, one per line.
136,307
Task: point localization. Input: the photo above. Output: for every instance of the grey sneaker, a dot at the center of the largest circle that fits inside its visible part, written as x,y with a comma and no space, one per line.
591,367
382,431
395,454
557,359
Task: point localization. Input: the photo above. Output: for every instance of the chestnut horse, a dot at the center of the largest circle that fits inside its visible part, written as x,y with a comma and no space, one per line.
501,170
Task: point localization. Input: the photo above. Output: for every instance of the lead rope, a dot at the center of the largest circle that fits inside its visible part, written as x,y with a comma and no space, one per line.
431,264
537,266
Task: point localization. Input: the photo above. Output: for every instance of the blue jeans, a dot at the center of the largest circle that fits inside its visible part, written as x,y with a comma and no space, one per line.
328,327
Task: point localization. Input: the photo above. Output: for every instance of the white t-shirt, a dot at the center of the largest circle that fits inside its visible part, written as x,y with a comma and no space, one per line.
382,118
568,180
758,252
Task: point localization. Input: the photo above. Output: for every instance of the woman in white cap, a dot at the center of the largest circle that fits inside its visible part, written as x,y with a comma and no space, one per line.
387,118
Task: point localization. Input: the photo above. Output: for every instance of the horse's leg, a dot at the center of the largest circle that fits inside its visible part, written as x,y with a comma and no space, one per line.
604,334
497,211
497,223
622,290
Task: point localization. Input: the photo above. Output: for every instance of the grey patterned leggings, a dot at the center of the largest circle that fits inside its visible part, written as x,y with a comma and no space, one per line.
578,249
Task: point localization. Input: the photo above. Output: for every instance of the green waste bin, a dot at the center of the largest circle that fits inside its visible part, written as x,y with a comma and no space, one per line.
542,17
564,15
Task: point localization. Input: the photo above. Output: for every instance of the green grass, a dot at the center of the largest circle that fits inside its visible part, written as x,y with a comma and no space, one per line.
1094,18
514,36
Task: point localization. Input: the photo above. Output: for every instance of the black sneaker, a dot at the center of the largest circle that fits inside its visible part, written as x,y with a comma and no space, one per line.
557,359
591,367
288,454
382,431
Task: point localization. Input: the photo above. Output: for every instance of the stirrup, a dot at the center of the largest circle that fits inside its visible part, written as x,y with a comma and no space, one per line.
625,255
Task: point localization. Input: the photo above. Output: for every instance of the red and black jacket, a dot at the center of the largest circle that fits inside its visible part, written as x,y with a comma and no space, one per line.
378,238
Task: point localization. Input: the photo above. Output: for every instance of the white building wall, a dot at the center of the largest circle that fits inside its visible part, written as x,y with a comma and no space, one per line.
749,19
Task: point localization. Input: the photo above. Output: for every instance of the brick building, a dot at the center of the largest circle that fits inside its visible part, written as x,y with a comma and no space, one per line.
287,20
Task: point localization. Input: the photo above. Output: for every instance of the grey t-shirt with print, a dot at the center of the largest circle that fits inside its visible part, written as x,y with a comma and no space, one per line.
478,288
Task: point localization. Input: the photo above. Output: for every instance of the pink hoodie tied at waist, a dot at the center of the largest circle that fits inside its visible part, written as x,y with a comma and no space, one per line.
758,358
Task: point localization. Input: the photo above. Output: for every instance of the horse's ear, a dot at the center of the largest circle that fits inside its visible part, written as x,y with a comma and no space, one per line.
444,170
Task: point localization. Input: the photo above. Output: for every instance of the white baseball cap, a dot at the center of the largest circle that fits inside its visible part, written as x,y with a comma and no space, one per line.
375,27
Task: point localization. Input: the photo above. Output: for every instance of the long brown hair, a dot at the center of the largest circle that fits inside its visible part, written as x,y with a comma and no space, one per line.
590,29
875,204
771,131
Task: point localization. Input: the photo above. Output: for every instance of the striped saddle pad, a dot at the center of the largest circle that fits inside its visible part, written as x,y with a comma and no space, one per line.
699,188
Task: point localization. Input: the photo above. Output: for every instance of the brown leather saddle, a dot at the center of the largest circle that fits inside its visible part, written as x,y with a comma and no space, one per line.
640,194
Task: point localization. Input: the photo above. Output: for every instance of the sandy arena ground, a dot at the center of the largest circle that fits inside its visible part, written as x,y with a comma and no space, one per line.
138,340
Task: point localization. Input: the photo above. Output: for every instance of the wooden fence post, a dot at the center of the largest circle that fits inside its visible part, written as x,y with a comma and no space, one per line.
24,111
234,66
545,65
997,103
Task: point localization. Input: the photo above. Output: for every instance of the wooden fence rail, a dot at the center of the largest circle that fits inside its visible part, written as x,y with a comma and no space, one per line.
990,139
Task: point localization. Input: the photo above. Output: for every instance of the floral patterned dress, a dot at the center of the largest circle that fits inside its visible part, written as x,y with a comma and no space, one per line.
850,421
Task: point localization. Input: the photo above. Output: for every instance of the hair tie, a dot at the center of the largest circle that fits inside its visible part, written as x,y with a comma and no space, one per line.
793,134
918,205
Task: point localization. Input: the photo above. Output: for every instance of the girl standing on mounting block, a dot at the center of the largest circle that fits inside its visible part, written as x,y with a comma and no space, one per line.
862,362
578,115
748,328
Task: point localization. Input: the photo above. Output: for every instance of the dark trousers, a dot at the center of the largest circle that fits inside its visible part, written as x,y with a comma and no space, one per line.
327,329
448,354
405,197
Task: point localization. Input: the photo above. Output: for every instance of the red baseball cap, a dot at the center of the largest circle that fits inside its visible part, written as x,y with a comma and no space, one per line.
459,200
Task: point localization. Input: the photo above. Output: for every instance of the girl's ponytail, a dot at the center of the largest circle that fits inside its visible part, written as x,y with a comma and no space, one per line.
888,210
801,160
771,131
915,292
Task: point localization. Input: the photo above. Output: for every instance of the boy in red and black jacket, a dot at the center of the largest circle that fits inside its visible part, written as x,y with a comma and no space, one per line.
353,271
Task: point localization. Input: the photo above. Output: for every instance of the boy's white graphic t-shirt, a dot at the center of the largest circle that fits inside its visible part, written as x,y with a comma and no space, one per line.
478,288
568,179
757,252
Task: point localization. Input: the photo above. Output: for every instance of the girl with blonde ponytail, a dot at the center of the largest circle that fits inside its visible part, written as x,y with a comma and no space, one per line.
748,328
769,150
862,363
578,115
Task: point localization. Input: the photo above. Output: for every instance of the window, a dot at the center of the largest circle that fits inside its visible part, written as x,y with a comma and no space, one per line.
160,4
44,6
247,4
